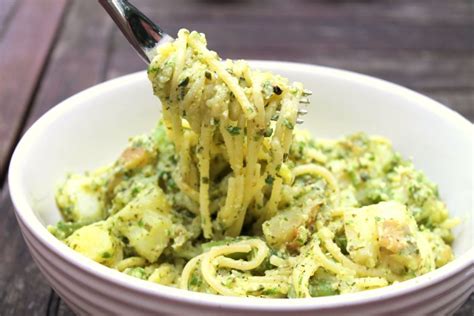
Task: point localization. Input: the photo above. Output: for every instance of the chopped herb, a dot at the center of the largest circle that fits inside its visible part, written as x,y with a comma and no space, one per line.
267,89
205,180
106,255
274,117
62,230
269,180
268,132
271,292
322,288
195,280
184,82
140,223
233,130
135,191
152,69
277,90
208,75
181,94
124,240
288,124
138,272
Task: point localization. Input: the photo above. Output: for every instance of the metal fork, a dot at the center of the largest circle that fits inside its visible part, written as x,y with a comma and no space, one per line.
140,31
145,36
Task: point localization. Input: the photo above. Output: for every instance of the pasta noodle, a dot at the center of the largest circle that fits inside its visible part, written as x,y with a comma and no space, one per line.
226,197
243,136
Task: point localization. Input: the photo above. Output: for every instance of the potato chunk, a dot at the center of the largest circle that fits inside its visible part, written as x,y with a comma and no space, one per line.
97,243
283,227
388,232
79,200
145,222
361,234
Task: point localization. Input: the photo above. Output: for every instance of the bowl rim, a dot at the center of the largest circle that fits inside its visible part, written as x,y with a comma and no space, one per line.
26,215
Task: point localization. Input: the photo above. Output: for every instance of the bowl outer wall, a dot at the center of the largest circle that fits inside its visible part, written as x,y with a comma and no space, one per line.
68,264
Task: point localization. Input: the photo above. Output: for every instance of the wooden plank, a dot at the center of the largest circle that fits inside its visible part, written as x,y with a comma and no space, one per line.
24,49
329,33
467,309
7,11
460,101
413,12
302,31
63,309
384,25
422,70
23,290
123,58
54,302
79,59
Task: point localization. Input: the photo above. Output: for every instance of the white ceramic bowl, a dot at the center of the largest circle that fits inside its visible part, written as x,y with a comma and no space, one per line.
91,128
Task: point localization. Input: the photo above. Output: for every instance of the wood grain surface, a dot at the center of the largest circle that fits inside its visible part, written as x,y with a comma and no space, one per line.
22,59
51,49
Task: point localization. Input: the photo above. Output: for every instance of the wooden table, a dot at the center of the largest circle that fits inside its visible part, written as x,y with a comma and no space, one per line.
51,49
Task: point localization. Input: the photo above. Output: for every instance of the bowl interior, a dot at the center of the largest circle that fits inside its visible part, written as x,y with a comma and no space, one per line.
90,129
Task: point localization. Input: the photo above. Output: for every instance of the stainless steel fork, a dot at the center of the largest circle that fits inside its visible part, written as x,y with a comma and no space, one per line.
140,31
145,36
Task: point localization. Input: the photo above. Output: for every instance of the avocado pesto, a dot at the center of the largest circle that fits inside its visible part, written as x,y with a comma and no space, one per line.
227,196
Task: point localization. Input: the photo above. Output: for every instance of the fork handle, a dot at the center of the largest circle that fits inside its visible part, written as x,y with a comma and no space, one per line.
139,30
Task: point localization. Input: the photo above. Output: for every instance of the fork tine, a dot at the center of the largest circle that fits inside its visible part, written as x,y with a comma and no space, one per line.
302,111
304,100
299,121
